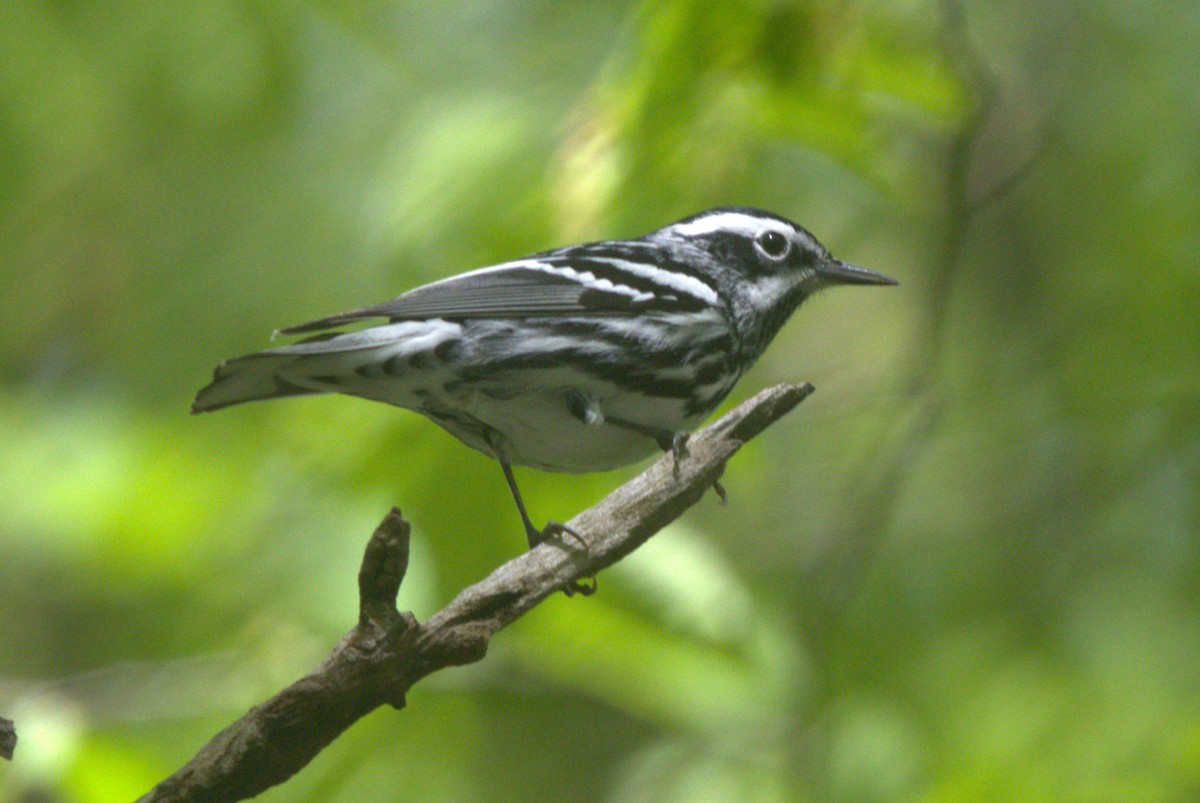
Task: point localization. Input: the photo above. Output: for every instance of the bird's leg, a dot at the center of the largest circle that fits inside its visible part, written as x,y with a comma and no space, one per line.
587,410
533,534
667,440
674,442
679,448
551,530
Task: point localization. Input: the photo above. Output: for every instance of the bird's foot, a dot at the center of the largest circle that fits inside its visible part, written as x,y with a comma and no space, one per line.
560,532
677,445
580,587
555,531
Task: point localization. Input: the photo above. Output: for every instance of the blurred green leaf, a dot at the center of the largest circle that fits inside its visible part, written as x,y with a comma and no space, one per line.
966,569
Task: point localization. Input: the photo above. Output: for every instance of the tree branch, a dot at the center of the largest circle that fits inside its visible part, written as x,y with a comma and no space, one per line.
381,658
8,738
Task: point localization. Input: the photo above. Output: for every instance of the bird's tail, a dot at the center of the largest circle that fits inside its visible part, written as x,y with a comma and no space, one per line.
245,379
364,363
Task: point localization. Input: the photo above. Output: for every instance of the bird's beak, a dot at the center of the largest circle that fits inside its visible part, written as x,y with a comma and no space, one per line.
837,272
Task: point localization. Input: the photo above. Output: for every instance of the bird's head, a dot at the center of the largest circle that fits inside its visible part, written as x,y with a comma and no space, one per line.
763,264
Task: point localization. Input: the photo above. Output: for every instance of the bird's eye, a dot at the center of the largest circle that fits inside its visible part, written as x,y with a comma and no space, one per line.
773,244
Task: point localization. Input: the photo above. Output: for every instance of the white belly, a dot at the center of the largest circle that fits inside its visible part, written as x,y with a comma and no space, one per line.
538,429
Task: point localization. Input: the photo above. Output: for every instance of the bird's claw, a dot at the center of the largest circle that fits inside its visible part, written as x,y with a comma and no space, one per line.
557,531
679,451
679,445
581,588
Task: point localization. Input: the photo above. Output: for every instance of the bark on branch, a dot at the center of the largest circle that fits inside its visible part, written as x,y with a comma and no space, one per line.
388,651
8,738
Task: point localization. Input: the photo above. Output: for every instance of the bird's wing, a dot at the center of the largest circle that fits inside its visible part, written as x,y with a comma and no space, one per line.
554,284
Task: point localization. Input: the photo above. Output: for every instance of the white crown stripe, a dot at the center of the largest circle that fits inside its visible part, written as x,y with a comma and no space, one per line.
736,222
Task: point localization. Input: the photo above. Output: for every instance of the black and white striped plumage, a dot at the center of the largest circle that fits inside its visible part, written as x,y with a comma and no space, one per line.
584,358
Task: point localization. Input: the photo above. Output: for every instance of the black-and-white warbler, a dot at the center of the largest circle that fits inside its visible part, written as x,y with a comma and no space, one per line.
585,358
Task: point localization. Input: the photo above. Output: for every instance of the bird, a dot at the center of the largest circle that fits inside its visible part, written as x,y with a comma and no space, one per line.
580,359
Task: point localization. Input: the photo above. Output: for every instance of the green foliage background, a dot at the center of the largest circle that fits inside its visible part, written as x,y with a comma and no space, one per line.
966,569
